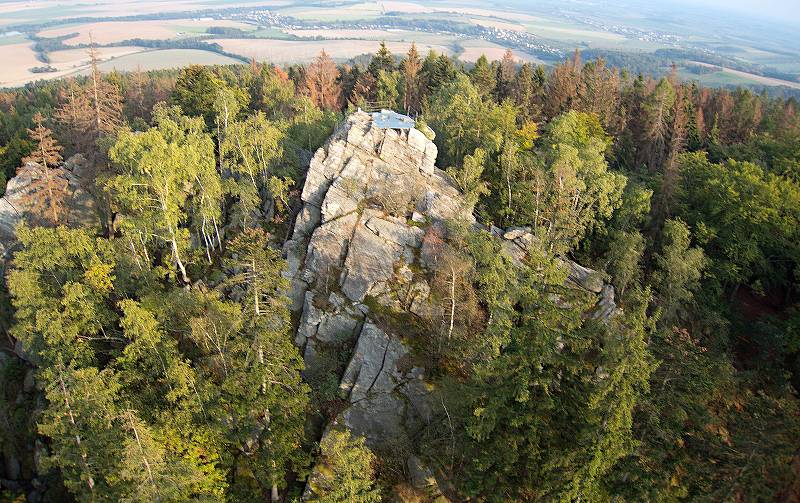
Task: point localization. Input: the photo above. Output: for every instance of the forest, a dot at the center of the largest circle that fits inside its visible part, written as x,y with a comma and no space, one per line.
148,352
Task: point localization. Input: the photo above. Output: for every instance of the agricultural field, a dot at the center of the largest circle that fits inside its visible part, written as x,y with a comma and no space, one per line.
20,58
422,39
471,50
110,32
17,59
72,59
27,11
165,58
545,32
729,76
302,51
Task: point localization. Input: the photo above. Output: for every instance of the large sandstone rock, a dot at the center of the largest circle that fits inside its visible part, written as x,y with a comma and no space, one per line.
20,195
358,246
517,242
367,193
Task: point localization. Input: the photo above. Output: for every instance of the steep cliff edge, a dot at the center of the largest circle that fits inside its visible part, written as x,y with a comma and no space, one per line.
369,196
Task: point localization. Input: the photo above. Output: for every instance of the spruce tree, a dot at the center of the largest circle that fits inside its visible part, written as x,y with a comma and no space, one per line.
48,190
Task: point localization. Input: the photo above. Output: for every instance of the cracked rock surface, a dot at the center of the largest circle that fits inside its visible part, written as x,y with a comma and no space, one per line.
353,236
357,246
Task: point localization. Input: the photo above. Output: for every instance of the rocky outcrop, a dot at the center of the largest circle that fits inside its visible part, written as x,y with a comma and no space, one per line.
517,242
368,193
20,195
357,248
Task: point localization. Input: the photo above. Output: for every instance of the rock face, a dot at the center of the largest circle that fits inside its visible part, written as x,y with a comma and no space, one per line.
353,242
357,247
15,205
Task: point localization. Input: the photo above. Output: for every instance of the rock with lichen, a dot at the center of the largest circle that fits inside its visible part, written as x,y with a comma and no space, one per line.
358,251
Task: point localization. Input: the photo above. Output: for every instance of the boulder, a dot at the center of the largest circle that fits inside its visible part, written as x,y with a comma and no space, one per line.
20,197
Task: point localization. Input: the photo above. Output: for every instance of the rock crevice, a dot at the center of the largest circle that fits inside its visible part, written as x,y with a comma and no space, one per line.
369,194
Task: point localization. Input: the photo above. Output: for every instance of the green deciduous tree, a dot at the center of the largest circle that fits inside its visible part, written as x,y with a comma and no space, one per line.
464,121
168,186
252,149
468,177
345,471
624,258
574,191
747,218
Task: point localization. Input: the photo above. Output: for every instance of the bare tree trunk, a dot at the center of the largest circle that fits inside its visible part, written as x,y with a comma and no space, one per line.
216,231
141,449
95,87
144,249
134,253
452,302
84,460
177,256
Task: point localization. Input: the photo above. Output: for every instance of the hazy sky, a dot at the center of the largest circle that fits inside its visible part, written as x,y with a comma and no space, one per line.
785,10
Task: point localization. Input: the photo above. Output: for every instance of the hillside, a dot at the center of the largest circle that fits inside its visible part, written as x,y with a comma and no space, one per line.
251,283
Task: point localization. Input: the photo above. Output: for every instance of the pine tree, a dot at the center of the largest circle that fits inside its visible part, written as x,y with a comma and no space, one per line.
437,70
557,372
74,117
135,95
412,90
91,113
387,89
49,188
78,421
563,86
506,74
321,82
526,93
265,387
364,90
483,77
670,176
599,93
383,60
658,110
679,268
61,290
105,98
